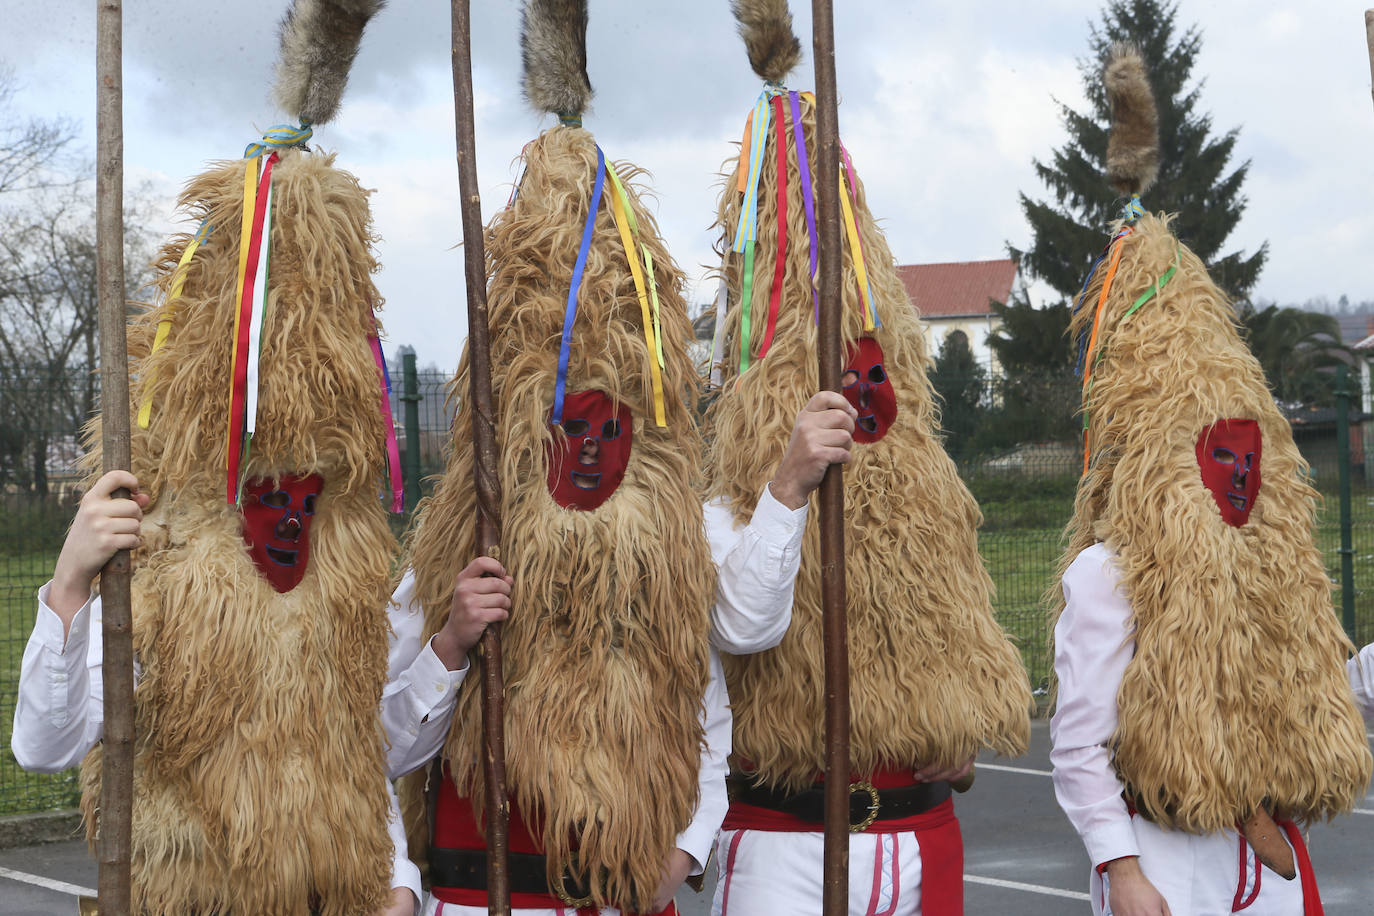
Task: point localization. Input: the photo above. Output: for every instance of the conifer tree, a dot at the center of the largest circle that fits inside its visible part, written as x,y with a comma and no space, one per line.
1070,228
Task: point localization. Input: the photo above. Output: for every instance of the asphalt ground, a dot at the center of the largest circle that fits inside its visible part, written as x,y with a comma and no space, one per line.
1021,857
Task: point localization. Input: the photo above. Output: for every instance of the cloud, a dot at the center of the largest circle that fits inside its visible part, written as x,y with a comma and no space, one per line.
943,108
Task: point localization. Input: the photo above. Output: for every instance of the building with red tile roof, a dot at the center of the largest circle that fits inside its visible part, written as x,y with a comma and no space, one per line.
957,296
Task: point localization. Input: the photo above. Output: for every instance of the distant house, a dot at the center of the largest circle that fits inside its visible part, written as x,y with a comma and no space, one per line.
957,297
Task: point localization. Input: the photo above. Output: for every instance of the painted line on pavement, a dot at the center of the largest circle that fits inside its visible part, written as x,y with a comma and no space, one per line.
1361,811
1003,769
1031,888
62,887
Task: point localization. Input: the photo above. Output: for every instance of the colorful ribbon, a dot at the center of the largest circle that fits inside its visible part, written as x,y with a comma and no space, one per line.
164,325
718,337
278,137
780,262
393,450
570,313
624,221
255,197
856,248
804,170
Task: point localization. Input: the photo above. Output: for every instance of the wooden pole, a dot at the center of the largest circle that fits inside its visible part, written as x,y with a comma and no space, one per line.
831,500
484,460
117,769
1369,36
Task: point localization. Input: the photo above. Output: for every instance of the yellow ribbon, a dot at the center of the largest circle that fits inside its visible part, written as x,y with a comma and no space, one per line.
250,203
624,219
164,326
852,230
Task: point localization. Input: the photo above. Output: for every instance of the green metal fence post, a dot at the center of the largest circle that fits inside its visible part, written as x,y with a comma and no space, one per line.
410,395
1343,461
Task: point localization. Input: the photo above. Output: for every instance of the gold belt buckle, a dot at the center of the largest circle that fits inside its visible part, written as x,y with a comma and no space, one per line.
560,890
864,785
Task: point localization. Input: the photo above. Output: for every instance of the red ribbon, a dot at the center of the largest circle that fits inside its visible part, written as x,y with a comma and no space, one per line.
779,266
239,383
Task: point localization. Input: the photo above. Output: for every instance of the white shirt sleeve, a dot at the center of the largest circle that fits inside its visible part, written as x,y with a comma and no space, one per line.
420,693
60,713
1361,669
404,873
700,834
756,572
1093,644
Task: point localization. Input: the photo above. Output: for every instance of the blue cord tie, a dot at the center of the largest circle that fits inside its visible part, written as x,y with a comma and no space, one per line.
570,119
1134,210
282,136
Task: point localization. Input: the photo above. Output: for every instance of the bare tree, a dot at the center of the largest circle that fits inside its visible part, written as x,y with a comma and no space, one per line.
48,335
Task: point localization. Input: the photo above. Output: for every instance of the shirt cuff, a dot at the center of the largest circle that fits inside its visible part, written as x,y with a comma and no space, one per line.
1111,841
775,521
48,626
431,677
406,873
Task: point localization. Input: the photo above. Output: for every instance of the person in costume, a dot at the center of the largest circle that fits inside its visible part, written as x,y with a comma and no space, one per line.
263,555
616,727
1203,706
933,677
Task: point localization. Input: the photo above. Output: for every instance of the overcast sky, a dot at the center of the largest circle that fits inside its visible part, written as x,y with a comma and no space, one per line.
943,105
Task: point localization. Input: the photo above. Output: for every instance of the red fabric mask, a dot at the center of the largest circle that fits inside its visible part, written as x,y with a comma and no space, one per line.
1228,454
276,526
865,386
588,462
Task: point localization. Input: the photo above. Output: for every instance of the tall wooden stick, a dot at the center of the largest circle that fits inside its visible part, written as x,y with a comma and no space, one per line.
1369,36
483,465
831,499
117,769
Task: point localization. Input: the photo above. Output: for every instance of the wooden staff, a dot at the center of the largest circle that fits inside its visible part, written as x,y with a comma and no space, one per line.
483,465
831,500
1369,36
117,768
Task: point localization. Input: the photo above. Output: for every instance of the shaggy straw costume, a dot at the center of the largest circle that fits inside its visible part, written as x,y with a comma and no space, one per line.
1237,693
259,772
933,677
605,654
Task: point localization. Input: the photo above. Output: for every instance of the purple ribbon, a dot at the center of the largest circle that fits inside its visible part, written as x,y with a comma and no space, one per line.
803,166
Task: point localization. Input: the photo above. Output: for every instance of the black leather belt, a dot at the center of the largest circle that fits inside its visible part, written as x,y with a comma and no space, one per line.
866,804
467,869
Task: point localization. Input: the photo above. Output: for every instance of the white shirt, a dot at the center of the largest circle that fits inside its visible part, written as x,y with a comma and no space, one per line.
421,740
756,573
1361,670
1094,641
59,714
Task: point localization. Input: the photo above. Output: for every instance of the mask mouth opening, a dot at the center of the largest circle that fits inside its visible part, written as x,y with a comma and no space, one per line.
867,423
282,557
1237,500
585,481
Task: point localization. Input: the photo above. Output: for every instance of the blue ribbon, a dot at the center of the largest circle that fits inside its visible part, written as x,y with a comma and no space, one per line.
279,137
570,315
1083,338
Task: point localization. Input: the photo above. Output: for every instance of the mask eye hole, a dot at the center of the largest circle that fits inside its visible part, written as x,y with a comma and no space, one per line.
849,379
1223,456
310,503
610,429
576,427
876,375
277,499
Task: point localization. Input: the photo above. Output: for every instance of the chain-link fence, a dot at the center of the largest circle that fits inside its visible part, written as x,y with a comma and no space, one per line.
1015,442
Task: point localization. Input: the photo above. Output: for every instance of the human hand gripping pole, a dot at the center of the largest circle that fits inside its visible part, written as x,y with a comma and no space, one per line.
115,844
484,457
